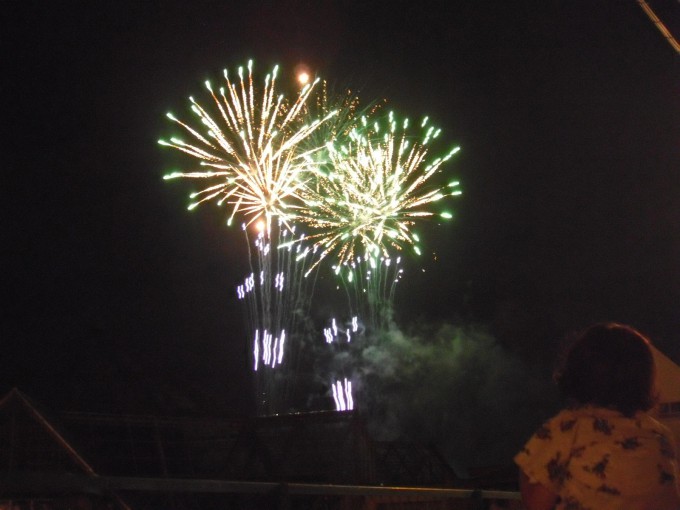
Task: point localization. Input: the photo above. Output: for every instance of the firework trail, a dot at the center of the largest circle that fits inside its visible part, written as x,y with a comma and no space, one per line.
255,150
277,295
373,186
362,208
338,337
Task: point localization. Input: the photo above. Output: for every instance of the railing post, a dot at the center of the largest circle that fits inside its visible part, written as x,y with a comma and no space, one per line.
477,500
280,497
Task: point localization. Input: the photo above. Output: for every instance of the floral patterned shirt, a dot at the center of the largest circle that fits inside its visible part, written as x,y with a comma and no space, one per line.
595,458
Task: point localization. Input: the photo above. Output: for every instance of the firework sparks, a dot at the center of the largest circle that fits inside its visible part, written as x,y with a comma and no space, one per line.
250,150
335,333
359,186
342,394
377,185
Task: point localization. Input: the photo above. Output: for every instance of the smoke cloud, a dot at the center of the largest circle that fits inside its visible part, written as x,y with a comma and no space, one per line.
456,388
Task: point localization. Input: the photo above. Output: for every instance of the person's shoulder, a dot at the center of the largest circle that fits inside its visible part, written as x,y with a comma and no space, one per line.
569,420
566,419
590,416
584,412
647,421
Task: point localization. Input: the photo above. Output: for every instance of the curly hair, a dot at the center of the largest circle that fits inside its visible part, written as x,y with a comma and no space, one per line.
609,365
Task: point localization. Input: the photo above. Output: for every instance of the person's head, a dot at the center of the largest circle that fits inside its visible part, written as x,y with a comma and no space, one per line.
609,365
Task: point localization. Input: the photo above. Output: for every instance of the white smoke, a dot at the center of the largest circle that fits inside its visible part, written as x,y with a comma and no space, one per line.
453,387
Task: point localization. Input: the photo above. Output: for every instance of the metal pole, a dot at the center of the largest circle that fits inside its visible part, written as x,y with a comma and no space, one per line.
659,25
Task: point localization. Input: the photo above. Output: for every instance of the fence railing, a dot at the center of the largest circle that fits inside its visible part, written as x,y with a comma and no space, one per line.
134,493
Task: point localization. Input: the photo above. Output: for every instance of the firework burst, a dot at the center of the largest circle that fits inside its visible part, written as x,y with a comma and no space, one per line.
249,147
377,183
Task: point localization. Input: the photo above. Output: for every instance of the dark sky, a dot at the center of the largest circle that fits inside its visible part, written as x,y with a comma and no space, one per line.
118,299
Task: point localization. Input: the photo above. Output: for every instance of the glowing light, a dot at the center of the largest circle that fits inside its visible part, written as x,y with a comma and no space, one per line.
303,74
303,78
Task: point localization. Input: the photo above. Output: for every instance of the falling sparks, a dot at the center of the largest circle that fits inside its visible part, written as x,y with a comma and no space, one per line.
335,333
268,348
342,394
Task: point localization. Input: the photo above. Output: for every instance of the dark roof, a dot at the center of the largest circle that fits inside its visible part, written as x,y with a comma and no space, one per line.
322,447
31,442
33,448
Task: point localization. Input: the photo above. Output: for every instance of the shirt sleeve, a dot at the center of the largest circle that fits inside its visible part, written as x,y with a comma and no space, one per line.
545,458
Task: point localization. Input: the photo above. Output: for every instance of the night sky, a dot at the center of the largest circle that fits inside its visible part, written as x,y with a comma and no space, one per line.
116,299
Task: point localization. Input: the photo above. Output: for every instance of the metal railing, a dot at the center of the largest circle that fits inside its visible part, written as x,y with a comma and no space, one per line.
143,493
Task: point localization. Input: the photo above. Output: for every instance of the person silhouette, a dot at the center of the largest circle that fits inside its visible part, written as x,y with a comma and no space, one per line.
603,450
